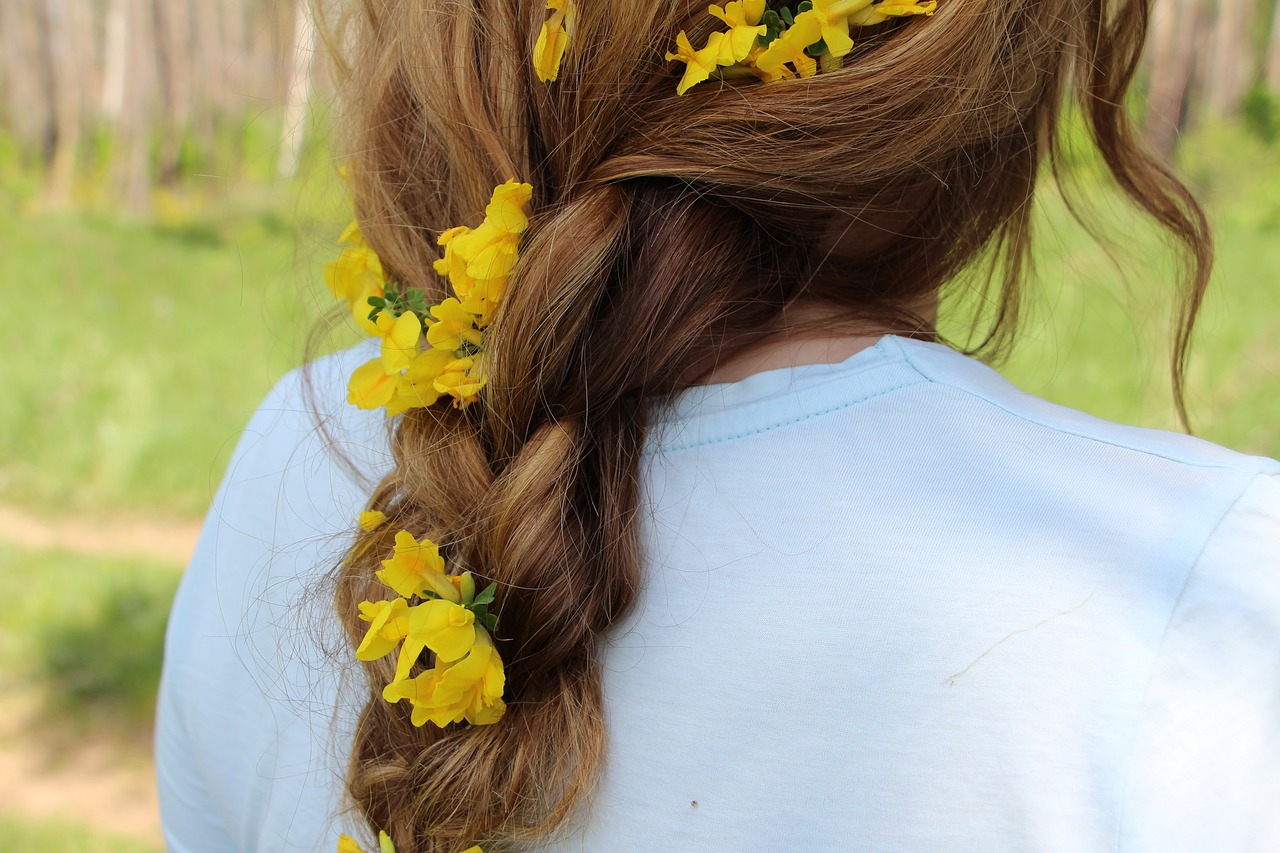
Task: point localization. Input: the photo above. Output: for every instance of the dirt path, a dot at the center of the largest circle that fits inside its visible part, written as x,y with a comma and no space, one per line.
162,540
103,784
47,772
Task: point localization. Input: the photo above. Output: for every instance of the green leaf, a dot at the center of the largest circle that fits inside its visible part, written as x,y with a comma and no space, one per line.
486,595
816,49
805,6
490,622
786,16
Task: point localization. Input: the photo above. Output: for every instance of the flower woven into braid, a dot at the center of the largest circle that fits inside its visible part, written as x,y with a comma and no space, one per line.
776,44
477,263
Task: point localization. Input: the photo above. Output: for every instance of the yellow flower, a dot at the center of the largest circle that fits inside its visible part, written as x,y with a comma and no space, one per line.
451,325
415,567
453,266
371,519
878,13
370,386
790,46
390,625
835,27
478,261
356,275
401,336
443,627
553,38
463,378
743,20
700,64
469,689
416,388
347,844
490,250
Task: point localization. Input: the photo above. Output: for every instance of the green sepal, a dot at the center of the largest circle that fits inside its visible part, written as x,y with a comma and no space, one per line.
486,595
816,49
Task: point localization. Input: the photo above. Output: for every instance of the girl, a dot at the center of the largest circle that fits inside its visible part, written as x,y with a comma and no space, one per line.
773,567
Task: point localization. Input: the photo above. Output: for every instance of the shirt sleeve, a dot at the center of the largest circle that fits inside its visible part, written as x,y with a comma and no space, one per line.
1205,769
249,736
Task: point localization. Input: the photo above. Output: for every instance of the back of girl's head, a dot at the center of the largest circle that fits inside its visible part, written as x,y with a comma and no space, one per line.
665,232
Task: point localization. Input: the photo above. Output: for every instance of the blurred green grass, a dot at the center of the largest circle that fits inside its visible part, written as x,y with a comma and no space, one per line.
1096,332
86,632
138,350
59,836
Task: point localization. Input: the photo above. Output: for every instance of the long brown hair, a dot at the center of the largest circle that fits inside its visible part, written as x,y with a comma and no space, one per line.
666,231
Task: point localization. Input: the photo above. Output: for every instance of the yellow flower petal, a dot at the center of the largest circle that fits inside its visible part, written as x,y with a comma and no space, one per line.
743,29
370,386
390,624
441,626
347,844
875,14
790,46
469,689
553,39
463,378
415,567
699,64
450,325
416,388
835,28
371,519
400,343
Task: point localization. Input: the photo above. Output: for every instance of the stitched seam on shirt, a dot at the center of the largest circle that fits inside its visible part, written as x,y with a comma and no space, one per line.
1081,435
807,416
1164,636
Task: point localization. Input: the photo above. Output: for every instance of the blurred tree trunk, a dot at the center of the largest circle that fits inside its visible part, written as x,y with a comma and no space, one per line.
28,115
208,78
133,159
1271,65
1172,52
233,70
114,30
299,91
1230,64
46,78
173,65
66,26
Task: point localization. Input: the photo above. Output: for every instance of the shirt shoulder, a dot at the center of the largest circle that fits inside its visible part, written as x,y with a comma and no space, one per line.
1204,768
944,366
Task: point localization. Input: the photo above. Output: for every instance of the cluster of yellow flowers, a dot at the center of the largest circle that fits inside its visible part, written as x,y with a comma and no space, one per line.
347,844
451,620
477,262
775,44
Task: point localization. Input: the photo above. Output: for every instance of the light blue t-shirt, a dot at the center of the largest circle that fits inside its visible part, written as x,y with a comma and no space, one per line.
891,604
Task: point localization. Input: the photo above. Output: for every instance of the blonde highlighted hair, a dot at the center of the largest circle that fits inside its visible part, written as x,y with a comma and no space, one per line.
666,232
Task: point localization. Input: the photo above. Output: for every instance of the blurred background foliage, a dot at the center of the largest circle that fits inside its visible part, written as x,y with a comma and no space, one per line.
167,200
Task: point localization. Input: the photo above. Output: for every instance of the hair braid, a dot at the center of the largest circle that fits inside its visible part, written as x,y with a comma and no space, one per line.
665,233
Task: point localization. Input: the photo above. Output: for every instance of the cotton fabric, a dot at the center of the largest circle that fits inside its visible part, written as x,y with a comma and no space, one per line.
891,604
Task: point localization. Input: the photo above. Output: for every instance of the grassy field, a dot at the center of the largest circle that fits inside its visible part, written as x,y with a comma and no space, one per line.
87,631
1096,332
139,349
48,836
